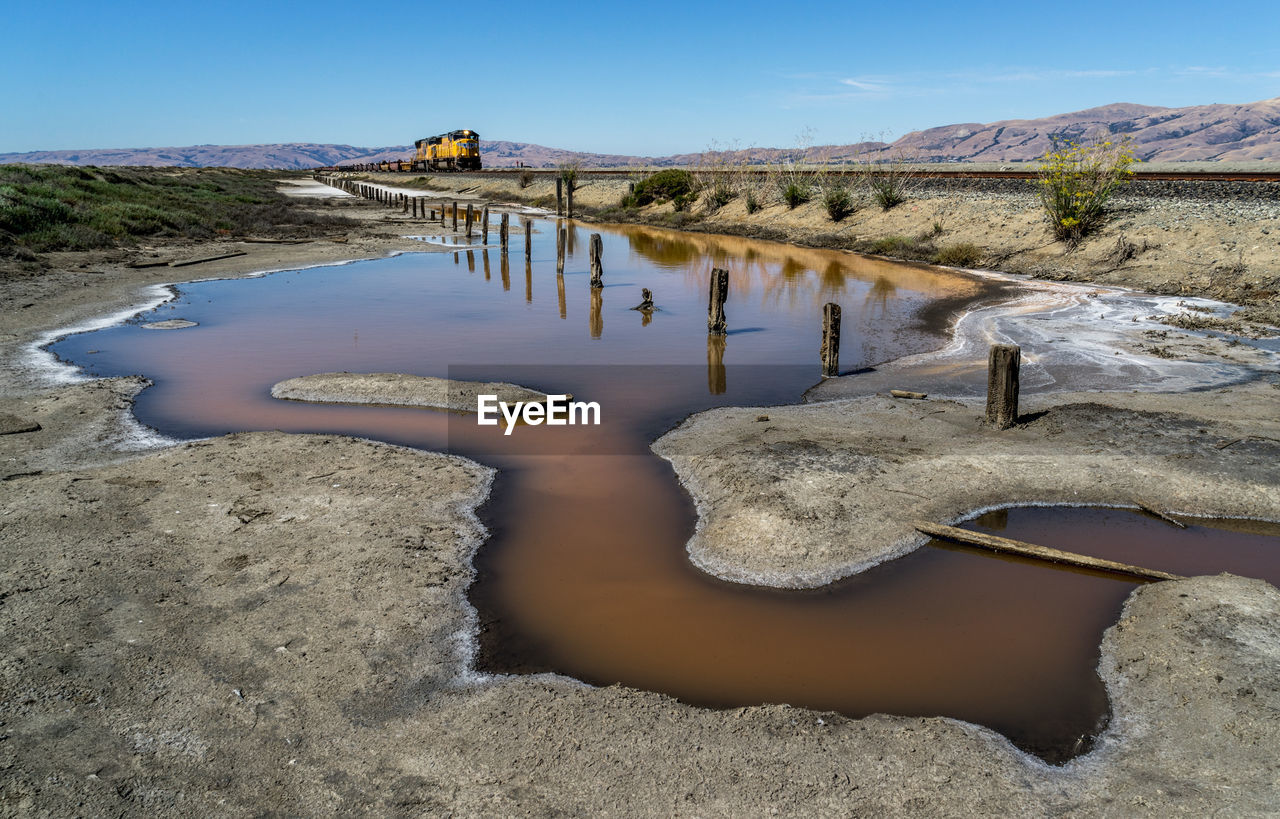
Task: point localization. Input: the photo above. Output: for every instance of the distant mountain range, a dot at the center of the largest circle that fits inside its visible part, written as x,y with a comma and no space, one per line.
1246,132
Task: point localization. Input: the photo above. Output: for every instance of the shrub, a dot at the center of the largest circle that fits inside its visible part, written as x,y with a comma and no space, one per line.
1076,180
838,202
526,178
753,202
794,192
719,194
568,174
891,245
961,254
662,186
887,188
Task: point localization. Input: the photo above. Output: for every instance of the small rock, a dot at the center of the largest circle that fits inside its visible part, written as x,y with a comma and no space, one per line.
10,424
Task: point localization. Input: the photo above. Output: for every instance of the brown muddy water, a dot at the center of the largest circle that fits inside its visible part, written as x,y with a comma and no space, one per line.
586,573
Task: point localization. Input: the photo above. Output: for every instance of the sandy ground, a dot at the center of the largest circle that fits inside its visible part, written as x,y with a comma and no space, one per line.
400,390
775,497
267,623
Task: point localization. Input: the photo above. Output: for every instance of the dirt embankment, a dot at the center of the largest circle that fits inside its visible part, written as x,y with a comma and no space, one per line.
1219,240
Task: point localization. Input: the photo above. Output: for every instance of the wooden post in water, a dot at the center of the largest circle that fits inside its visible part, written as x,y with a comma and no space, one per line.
404,203
484,224
415,207
503,228
830,350
471,217
1003,363
455,217
528,240
559,196
569,200
597,269
560,243
716,324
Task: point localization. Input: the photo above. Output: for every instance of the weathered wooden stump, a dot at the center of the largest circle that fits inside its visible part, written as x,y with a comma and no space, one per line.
716,325
597,268
569,201
528,240
415,207
830,350
503,228
455,217
559,196
1003,363
484,224
470,218
646,300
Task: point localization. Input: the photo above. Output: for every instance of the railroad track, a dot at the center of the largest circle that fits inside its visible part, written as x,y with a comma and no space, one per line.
1161,176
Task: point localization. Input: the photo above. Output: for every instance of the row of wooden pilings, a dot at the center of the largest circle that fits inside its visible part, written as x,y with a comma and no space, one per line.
1003,361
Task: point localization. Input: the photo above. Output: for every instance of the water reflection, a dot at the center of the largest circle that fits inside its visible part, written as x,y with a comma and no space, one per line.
717,379
597,318
560,294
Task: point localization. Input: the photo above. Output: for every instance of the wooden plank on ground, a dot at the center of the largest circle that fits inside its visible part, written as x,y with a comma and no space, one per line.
1031,550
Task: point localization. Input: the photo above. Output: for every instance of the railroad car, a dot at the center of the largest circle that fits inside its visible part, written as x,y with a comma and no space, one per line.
454,151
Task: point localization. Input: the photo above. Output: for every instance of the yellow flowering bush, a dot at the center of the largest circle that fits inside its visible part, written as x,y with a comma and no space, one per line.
1076,179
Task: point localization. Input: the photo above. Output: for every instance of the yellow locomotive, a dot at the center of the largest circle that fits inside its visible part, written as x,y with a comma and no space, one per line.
454,151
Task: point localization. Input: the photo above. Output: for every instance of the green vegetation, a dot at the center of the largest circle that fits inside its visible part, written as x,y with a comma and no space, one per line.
51,207
887,182
961,254
838,202
674,185
752,200
895,246
568,173
795,192
1076,180
719,193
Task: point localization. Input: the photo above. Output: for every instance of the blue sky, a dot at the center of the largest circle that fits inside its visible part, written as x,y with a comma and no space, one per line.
652,78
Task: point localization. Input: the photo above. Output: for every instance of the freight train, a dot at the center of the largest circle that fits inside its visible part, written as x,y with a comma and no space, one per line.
454,151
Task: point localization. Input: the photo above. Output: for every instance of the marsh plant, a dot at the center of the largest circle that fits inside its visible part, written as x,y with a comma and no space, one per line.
838,200
889,180
719,174
1077,179
568,173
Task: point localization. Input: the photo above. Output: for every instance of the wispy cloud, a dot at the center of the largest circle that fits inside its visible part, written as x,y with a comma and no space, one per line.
863,85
